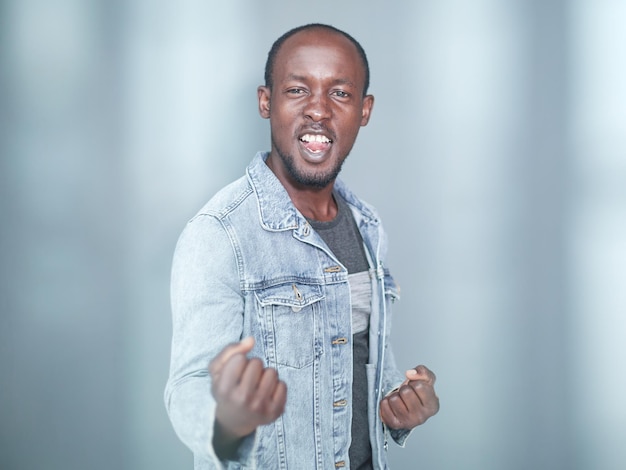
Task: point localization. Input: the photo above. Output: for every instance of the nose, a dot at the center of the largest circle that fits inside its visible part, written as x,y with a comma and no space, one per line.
317,107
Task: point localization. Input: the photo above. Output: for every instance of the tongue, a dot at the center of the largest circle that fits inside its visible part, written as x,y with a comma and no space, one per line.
316,146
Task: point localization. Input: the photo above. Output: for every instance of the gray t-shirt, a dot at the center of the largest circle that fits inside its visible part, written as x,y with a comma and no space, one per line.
344,239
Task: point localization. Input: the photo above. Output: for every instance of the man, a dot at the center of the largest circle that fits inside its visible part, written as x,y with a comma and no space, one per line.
280,295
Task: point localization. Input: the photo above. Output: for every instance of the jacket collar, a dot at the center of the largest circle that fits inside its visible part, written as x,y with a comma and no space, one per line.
276,211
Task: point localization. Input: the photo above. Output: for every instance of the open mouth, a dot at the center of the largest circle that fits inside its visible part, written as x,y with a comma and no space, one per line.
315,143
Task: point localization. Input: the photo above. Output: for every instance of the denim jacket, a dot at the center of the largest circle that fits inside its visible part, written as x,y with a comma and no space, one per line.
249,264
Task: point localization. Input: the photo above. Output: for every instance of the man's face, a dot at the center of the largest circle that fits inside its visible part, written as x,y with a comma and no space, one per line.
316,107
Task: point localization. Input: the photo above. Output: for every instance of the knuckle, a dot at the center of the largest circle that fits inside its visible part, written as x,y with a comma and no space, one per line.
420,386
255,362
276,409
392,402
243,398
218,389
396,423
256,406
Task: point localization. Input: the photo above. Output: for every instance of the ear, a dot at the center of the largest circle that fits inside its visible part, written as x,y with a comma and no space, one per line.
368,104
264,96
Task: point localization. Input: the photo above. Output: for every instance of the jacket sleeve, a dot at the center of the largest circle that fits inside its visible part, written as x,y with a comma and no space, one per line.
207,315
392,377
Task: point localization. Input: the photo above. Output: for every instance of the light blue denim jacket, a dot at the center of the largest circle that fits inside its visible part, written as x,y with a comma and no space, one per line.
250,264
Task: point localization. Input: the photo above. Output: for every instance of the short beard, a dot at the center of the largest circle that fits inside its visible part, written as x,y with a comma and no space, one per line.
313,180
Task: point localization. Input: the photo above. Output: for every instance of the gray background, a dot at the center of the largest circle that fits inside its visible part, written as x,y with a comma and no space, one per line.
496,155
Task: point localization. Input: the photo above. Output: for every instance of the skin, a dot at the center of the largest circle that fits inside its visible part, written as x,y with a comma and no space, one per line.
413,402
247,395
318,83
318,90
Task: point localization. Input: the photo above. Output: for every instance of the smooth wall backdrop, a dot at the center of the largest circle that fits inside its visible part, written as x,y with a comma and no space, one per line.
496,155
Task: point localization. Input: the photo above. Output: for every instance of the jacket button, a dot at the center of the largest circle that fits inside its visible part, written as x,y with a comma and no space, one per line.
340,464
340,403
306,230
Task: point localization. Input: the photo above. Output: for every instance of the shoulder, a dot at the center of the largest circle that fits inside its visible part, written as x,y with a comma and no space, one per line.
226,199
206,230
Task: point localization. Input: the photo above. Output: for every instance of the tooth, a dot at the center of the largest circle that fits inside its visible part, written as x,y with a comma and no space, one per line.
315,138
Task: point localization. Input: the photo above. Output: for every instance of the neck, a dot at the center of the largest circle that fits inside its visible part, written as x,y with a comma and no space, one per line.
317,205
312,202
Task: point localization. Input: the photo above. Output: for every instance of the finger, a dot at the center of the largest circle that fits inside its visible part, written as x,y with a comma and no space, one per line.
270,396
387,415
421,373
242,347
427,395
426,404
230,375
279,400
417,373
407,409
410,397
268,383
251,375
397,404
280,393
270,392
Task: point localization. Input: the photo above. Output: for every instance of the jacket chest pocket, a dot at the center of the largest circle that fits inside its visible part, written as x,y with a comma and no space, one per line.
291,320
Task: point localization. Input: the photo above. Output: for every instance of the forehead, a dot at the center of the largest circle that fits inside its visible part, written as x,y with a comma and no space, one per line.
319,51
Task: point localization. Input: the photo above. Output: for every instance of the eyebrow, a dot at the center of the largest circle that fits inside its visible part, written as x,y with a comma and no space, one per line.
338,81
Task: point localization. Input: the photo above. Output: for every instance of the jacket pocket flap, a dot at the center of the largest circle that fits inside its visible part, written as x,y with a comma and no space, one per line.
292,295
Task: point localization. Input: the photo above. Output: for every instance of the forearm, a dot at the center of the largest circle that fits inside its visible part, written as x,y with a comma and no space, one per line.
191,410
207,312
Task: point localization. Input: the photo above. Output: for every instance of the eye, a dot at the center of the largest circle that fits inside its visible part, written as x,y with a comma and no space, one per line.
295,91
341,94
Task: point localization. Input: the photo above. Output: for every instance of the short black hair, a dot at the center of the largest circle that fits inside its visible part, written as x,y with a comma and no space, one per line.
271,56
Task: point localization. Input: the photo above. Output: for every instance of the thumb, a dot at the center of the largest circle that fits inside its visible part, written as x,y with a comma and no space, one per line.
242,347
421,373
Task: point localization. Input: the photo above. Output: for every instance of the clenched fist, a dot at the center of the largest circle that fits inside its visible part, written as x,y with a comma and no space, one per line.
413,402
246,393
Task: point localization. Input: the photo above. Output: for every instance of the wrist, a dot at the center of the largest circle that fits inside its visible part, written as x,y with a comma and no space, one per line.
225,442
